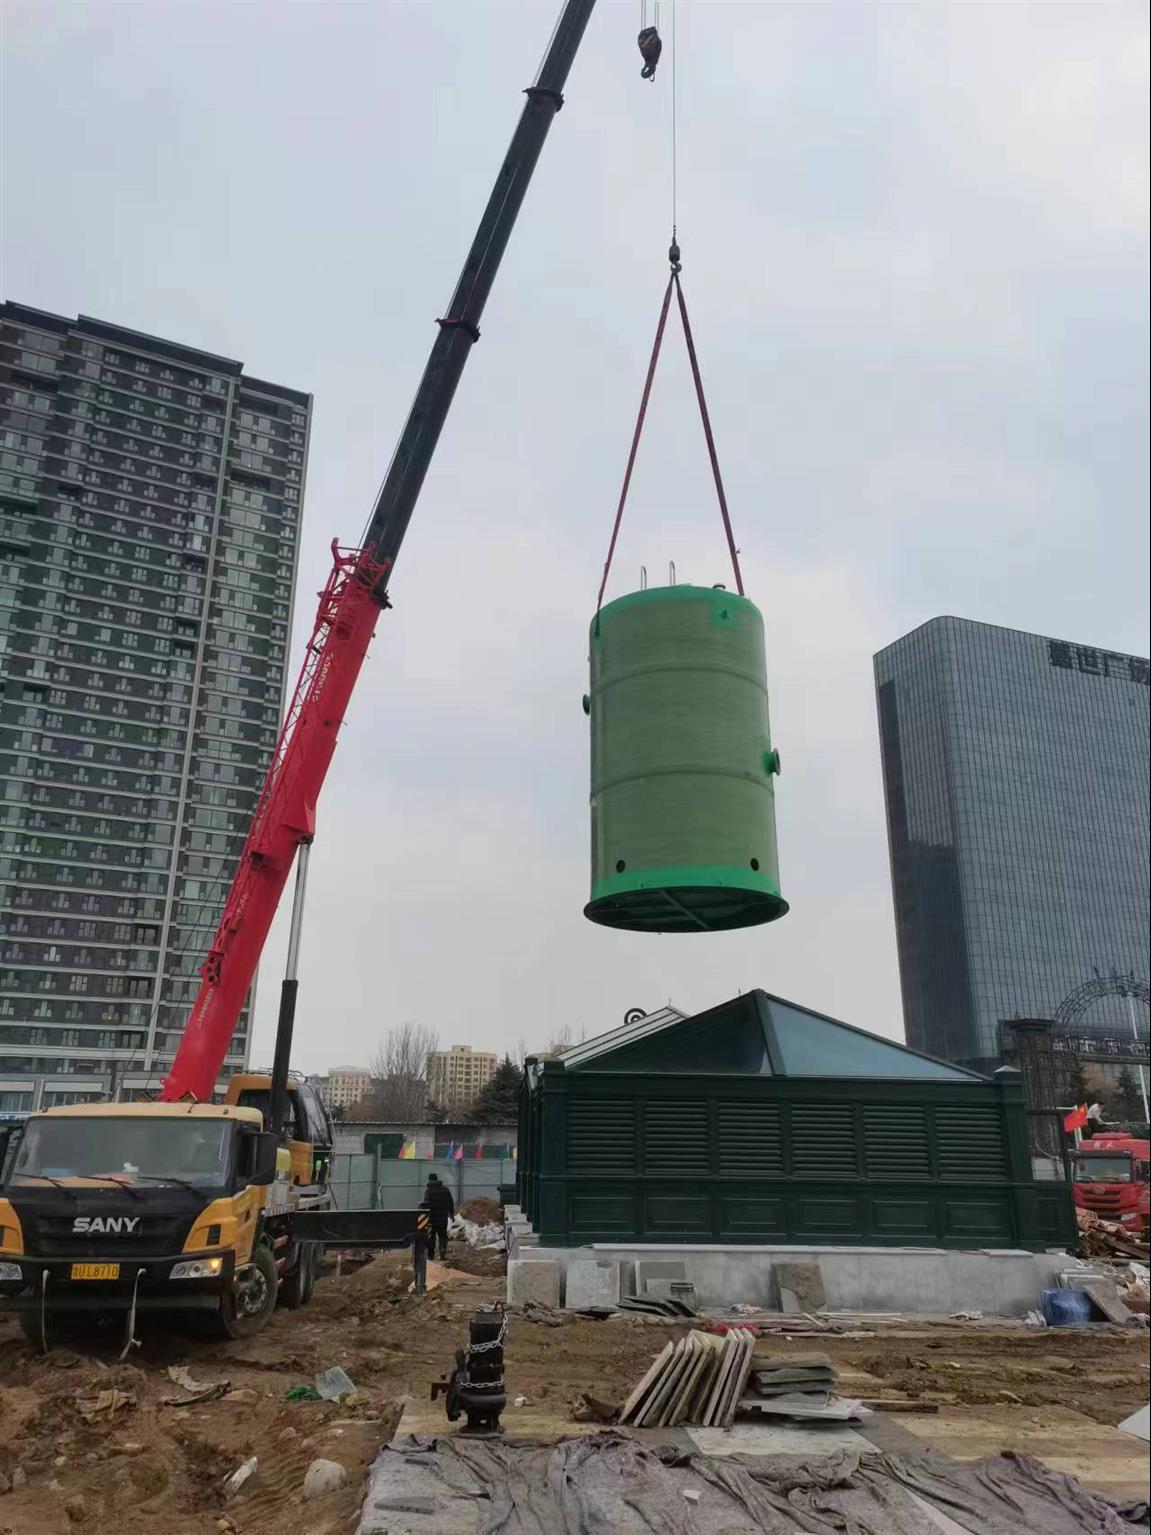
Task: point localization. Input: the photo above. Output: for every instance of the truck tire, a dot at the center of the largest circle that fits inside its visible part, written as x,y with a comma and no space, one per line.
296,1287
30,1327
76,1329
247,1305
313,1269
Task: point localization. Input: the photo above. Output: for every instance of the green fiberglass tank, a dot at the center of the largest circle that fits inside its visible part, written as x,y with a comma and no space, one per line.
682,765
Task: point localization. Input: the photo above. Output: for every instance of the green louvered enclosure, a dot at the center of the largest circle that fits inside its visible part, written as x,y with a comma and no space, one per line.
763,1122
682,764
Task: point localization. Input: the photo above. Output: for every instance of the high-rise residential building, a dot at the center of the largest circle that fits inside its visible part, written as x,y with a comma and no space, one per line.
455,1076
345,1085
1016,777
150,501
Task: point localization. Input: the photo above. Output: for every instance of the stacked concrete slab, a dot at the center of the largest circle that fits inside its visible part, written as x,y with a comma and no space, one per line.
534,1281
518,1233
698,1380
592,1282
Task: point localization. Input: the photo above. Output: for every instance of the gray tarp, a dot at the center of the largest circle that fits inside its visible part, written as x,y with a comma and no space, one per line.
607,1484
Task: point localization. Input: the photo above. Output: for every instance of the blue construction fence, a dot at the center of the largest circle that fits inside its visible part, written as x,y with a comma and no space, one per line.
368,1181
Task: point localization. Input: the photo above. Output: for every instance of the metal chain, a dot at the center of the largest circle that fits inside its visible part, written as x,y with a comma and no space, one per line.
485,1348
498,1342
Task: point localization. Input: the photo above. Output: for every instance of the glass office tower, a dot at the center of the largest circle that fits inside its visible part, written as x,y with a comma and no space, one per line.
1016,779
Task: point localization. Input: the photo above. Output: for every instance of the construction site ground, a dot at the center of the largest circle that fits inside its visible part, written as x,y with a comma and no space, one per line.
148,1462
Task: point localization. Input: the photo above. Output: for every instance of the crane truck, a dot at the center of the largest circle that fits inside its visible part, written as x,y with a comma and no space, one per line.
221,1208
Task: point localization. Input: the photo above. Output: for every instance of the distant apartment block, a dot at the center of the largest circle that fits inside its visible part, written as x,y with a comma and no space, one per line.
455,1076
150,502
345,1085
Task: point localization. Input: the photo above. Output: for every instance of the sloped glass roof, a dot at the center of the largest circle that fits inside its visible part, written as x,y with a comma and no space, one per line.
755,1035
728,1039
810,1045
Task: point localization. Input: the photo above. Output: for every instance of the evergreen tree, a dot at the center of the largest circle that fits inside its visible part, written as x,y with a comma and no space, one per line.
1127,1099
1082,1088
498,1102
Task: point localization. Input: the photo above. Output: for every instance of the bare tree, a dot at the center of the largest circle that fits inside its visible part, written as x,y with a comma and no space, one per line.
564,1039
399,1067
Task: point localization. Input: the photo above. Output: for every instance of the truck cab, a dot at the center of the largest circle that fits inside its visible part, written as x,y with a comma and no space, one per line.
308,1131
115,1207
1111,1173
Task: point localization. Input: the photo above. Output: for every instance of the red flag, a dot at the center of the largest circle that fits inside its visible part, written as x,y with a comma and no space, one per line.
1076,1119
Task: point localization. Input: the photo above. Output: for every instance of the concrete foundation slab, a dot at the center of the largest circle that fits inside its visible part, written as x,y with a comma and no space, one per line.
519,1238
1139,1424
592,1282
647,1269
533,1279
668,1289
909,1280
800,1287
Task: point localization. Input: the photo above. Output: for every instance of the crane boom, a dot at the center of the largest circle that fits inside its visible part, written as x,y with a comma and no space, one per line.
350,604
459,330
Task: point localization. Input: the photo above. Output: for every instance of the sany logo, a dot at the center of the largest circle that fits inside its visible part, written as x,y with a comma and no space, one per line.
109,1225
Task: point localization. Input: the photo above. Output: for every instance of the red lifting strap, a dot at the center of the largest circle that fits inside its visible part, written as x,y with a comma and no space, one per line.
672,282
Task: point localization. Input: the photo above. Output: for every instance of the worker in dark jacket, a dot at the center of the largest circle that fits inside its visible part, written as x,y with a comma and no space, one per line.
438,1198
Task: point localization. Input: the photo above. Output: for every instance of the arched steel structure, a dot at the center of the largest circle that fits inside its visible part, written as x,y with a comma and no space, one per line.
1073,1007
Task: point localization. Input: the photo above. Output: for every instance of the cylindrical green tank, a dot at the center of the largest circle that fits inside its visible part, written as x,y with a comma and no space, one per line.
682,765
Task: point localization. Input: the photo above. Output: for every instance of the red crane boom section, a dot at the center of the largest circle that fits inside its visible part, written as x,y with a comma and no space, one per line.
285,816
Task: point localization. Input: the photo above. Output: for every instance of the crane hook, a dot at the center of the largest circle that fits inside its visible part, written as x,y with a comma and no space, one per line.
650,47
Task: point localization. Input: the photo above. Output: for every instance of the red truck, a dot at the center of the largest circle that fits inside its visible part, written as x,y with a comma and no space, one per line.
1111,1178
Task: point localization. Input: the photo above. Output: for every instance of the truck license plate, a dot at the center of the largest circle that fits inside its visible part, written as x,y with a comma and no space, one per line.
95,1271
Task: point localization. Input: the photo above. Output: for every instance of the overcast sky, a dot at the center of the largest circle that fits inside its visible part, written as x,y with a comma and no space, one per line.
915,245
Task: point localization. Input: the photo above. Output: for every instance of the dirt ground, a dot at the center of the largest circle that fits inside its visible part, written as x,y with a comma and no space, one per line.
1055,1394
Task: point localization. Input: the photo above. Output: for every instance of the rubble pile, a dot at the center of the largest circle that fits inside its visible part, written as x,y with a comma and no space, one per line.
1108,1239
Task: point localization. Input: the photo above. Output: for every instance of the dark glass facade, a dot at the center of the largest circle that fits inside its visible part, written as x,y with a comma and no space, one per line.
150,498
1016,778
